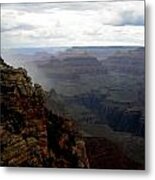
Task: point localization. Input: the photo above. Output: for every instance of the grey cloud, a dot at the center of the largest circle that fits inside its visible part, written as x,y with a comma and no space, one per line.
25,7
127,18
130,18
46,36
49,7
56,29
17,27
95,32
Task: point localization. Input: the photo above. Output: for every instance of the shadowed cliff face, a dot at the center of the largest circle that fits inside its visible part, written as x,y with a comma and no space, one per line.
105,154
30,134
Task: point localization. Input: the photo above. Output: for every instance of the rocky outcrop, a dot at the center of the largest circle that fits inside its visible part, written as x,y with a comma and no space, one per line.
67,148
30,134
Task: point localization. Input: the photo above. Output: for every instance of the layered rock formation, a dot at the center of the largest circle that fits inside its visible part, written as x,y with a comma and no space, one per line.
30,134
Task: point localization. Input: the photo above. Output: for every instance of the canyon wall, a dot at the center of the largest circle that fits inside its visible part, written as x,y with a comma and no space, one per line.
30,134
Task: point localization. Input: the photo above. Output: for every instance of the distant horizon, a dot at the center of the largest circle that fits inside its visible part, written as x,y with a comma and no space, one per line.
91,46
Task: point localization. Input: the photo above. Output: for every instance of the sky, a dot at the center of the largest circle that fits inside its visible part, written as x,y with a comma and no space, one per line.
114,23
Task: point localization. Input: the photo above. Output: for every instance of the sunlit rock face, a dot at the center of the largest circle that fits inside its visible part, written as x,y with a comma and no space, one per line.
30,134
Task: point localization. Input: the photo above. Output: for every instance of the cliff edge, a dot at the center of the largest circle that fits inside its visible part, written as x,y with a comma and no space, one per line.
30,134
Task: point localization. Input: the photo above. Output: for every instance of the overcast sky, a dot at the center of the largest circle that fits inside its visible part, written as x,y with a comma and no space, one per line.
72,24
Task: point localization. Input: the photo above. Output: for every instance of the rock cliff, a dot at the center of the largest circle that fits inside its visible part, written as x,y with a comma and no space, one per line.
30,134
